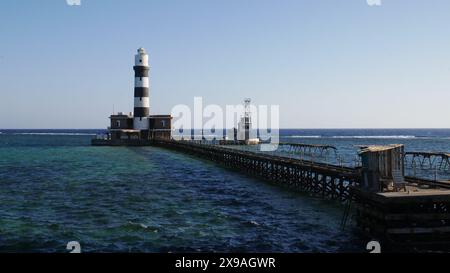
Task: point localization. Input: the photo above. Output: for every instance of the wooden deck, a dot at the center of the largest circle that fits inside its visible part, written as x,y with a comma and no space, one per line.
415,217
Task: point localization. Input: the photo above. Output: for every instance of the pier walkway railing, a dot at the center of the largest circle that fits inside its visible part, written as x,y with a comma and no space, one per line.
324,180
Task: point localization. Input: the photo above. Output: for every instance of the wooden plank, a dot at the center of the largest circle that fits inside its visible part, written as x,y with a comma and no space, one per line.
418,230
417,216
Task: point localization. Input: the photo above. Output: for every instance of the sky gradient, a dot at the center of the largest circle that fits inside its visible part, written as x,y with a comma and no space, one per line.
327,63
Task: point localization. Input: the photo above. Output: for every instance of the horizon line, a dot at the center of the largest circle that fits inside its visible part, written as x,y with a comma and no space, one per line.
286,128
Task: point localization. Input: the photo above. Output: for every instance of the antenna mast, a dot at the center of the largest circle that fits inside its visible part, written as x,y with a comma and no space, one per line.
248,113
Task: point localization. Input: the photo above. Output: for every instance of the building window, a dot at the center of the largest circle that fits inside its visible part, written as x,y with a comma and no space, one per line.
140,60
118,123
140,99
163,123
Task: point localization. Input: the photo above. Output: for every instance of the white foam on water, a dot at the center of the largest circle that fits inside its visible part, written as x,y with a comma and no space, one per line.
376,137
304,136
54,134
357,137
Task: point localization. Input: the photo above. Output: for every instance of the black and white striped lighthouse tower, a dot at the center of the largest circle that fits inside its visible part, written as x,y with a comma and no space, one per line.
141,91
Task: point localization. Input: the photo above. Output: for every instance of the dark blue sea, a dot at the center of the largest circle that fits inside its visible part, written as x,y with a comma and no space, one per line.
56,188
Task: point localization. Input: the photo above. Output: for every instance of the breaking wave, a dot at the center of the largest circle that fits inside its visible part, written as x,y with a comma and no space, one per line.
54,134
304,136
358,137
377,137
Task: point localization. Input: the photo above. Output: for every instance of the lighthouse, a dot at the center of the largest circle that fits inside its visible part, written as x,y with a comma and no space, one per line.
141,91
139,128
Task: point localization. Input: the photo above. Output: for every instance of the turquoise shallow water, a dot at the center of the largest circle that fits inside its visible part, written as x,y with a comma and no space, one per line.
56,188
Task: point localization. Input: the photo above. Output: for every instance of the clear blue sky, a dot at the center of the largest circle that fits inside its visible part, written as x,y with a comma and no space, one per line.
327,63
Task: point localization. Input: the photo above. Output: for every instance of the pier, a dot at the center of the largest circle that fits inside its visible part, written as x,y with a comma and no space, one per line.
409,212
319,179
386,205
